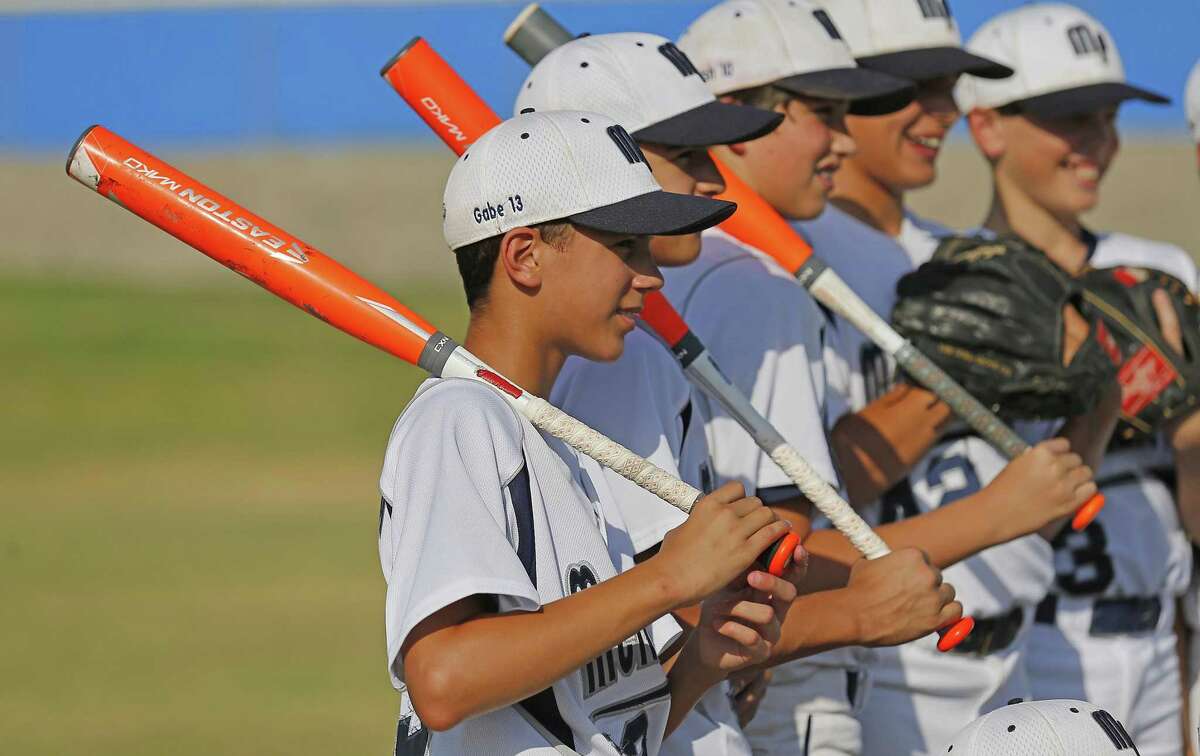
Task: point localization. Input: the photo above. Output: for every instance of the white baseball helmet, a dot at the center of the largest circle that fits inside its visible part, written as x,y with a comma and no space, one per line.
564,165
914,39
1065,61
646,84
1044,728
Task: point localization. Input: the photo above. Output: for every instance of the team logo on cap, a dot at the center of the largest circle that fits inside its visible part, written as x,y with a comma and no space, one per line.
1087,41
678,59
934,8
1114,730
626,145
824,20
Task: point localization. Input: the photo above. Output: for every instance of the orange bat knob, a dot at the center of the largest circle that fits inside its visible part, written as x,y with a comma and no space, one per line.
954,634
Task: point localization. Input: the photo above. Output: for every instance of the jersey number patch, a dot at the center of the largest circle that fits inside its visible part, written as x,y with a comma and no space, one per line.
1082,565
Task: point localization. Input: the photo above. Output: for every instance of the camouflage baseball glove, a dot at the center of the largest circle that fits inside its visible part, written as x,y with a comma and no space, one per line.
990,313
1157,382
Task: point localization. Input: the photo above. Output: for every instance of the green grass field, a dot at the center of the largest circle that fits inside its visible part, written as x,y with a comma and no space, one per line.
189,509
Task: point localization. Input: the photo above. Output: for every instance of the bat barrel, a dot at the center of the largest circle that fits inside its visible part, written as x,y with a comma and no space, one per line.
220,228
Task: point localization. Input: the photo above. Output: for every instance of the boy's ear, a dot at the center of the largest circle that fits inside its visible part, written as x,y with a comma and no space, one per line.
518,256
987,129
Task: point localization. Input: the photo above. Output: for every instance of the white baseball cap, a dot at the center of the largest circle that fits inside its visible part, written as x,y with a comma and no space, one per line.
645,83
913,39
1192,98
1065,61
564,165
1044,728
791,44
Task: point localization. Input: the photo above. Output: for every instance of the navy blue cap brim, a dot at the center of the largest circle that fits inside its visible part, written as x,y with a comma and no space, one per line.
856,85
927,63
1087,99
711,124
657,214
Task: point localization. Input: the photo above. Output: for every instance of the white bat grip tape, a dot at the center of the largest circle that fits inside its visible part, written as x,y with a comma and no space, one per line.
609,453
821,494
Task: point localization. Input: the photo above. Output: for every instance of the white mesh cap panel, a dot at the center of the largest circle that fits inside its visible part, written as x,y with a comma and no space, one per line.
625,76
536,168
1051,47
1044,728
1192,101
875,27
747,43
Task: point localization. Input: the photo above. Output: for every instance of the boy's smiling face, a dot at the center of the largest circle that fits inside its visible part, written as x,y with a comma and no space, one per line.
592,288
899,150
793,167
1057,162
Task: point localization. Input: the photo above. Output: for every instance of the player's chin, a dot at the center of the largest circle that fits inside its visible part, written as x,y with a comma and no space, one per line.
607,343
811,202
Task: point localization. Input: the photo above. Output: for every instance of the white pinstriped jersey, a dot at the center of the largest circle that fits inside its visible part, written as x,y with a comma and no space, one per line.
643,401
477,502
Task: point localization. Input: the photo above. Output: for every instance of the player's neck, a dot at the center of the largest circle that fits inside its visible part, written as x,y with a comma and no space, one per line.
514,345
860,195
1014,212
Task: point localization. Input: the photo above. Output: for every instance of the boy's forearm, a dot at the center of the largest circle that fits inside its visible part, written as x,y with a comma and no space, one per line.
877,446
947,534
1089,435
815,623
1187,475
454,673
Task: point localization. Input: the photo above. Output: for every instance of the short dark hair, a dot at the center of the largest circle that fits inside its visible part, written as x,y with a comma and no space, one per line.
477,261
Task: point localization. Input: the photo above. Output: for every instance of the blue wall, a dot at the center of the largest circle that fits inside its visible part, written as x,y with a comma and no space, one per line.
220,77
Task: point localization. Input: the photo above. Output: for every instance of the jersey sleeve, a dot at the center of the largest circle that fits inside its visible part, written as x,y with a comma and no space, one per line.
766,333
445,531
637,401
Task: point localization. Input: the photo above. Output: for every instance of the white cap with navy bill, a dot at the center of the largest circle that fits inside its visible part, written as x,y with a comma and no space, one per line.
1066,64
646,84
1044,728
1192,96
566,165
913,39
790,44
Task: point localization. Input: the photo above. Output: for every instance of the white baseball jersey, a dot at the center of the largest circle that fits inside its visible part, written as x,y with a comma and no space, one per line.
643,401
1136,547
769,337
767,334
477,502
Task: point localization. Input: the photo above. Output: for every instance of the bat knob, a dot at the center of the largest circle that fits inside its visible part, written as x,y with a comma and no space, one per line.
951,636
779,557
1085,514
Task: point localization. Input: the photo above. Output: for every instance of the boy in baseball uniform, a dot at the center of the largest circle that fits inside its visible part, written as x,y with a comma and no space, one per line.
1191,96
871,239
790,56
1192,104
1105,631
509,629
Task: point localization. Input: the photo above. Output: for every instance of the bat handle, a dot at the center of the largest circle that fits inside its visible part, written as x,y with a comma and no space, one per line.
780,556
951,636
534,33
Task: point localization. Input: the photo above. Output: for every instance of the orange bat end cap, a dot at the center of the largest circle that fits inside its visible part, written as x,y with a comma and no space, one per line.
400,54
779,557
955,634
1088,512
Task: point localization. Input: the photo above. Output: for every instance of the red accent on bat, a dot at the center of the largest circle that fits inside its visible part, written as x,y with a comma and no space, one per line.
761,226
245,243
955,634
658,313
439,95
499,382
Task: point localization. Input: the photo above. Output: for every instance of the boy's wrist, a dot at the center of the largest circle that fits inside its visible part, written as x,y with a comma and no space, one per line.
663,583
